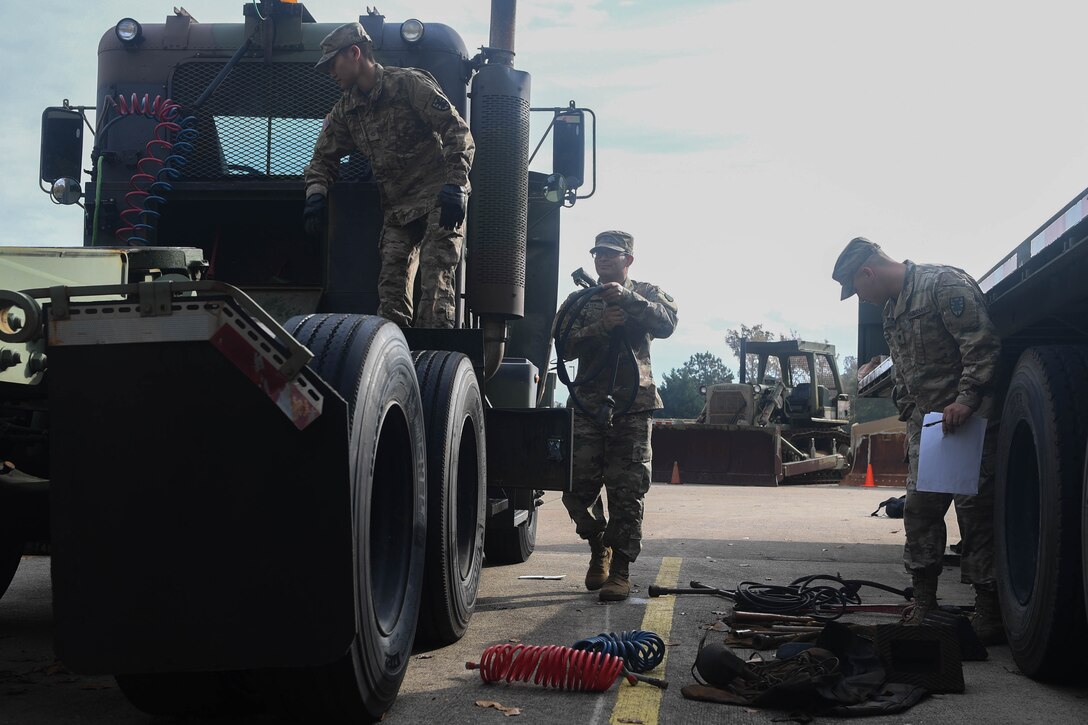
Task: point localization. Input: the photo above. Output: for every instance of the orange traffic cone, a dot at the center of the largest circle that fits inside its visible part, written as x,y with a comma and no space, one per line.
869,480
675,473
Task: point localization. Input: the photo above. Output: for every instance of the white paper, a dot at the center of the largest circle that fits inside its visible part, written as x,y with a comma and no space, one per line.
950,463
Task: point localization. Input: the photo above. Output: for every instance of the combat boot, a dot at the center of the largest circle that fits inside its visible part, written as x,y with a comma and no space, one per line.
925,598
618,585
986,621
599,560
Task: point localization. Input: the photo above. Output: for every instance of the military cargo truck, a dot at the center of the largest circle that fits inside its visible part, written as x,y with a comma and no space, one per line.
1038,301
250,486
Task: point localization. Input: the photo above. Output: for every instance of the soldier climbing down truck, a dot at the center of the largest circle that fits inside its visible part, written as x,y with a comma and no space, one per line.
420,150
257,409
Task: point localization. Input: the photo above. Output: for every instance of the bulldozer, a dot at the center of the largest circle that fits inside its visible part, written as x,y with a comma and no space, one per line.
786,423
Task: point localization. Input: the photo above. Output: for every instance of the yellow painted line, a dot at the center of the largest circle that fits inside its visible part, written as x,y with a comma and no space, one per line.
640,704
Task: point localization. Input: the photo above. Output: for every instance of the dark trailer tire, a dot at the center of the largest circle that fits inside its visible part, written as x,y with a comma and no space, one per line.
512,545
453,412
1037,507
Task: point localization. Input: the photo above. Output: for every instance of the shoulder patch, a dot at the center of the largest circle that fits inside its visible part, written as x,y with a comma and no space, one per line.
956,306
440,104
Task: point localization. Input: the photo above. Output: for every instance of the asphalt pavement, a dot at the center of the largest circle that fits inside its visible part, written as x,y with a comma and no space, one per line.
717,535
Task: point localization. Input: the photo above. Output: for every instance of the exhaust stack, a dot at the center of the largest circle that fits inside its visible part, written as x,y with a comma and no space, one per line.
498,214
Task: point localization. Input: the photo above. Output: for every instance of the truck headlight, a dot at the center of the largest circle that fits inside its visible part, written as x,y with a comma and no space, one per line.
128,31
411,31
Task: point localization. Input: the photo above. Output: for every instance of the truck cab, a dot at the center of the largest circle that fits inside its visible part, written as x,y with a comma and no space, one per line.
242,404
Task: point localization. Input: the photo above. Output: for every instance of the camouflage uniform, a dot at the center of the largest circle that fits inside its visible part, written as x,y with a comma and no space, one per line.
945,350
618,457
416,142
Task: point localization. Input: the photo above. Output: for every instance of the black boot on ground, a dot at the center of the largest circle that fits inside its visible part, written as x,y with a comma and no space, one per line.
925,598
986,621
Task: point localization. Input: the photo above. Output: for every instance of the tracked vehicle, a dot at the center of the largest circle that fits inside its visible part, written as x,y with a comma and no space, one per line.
785,421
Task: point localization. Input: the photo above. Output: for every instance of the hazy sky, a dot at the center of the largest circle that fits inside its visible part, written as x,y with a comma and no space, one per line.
742,143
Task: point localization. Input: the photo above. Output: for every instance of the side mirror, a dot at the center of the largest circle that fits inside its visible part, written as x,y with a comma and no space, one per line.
66,191
62,146
555,189
569,147
702,390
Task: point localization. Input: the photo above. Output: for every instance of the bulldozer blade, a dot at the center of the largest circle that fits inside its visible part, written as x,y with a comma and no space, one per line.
716,454
889,468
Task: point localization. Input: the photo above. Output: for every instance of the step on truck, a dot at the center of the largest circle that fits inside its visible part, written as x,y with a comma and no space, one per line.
251,487
1038,301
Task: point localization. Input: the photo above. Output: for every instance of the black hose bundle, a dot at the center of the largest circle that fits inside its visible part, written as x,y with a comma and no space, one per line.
617,346
803,598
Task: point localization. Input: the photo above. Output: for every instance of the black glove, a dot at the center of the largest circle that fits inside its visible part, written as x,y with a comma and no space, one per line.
313,216
452,201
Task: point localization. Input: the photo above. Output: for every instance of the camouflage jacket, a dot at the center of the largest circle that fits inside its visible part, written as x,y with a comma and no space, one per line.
942,340
651,313
414,138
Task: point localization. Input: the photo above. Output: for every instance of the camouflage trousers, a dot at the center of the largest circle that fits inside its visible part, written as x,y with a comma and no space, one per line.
923,517
617,458
420,244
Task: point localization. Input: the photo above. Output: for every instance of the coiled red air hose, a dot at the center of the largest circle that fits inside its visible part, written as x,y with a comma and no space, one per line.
549,666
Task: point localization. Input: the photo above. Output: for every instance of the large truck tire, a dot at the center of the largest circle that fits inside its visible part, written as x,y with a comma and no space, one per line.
453,413
11,553
367,360
512,545
1037,510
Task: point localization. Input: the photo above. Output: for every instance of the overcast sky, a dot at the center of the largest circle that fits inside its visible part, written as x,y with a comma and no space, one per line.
742,143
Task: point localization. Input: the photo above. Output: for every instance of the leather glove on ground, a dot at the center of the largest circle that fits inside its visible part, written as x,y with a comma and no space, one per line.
452,200
313,215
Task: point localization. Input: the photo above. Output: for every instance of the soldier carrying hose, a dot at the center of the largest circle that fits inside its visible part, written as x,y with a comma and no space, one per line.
613,451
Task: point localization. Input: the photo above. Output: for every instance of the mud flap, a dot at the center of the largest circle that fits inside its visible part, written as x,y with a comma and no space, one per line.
195,525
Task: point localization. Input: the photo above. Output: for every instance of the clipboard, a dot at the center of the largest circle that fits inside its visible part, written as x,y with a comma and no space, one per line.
950,463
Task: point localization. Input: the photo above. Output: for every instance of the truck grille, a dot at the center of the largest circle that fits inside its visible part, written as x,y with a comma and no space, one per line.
727,404
260,123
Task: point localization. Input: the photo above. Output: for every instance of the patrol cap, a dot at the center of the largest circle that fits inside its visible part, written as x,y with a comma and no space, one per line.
344,36
613,239
850,261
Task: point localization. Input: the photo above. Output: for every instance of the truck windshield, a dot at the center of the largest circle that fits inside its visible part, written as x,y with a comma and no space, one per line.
265,146
262,121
